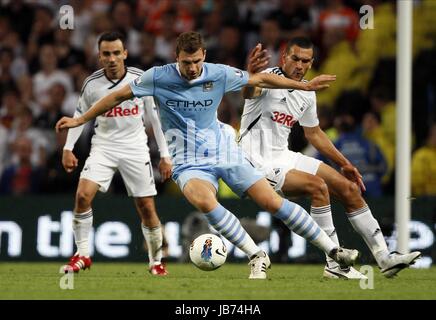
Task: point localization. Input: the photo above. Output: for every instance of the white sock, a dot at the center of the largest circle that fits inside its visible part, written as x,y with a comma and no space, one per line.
323,217
82,224
153,237
364,223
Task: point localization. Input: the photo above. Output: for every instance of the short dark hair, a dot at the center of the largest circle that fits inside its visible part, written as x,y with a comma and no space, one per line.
189,42
301,42
112,36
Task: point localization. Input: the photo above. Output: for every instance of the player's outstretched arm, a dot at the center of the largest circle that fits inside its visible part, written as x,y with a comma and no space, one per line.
322,143
272,81
104,104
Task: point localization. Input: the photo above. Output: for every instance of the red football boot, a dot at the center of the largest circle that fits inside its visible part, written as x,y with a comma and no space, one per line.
158,270
78,263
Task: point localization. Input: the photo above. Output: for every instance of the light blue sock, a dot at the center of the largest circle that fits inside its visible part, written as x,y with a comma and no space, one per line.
299,221
229,227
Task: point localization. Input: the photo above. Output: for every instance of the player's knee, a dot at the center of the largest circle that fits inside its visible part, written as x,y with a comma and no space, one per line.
205,205
318,188
272,205
351,190
83,199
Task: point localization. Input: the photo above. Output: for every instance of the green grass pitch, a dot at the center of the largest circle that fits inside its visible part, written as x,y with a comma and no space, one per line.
185,282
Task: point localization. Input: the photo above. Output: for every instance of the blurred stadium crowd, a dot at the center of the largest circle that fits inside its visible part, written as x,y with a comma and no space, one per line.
42,68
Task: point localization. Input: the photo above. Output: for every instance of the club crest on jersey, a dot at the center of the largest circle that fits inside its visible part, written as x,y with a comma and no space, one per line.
239,73
137,80
283,100
208,86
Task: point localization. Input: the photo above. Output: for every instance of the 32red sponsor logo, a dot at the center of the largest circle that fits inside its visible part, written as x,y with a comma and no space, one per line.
283,118
118,111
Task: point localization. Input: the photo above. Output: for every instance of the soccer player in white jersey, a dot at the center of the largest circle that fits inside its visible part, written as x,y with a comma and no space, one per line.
267,120
188,94
119,143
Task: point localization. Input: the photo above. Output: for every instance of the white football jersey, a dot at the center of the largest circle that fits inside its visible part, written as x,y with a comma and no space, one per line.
122,127
268,119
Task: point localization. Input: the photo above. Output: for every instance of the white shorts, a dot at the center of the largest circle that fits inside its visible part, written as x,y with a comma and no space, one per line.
137,172
275,171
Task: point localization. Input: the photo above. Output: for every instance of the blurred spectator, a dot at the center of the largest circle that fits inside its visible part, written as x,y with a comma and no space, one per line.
82,23
362,153
3,147
340,20
182,11
230,50
211,26
23,127
10,104
372,130
165,39
47,77
55,179
21,15
11,69
51,113
25,89
23,177
42,32
6,80
100,24
382,102
292,17
424,167
270,37
148,57
251,15
122,16
68,56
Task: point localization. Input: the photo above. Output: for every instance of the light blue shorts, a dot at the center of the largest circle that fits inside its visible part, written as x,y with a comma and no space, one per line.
239,177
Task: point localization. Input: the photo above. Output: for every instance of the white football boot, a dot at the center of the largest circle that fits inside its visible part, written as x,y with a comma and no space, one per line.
344,257
259,263
396,262
337,272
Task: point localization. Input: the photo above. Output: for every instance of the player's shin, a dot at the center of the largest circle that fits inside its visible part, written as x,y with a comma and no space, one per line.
229,226
367,226
153,237
323,217
82,224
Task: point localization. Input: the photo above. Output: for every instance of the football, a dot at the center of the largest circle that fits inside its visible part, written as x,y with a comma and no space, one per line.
208,252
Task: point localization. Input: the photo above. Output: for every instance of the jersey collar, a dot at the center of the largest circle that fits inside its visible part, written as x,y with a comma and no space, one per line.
193,80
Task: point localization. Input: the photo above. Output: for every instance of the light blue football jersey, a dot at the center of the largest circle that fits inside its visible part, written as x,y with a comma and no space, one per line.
188,109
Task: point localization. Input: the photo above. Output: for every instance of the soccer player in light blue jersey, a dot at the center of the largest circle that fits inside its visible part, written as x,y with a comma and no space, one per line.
188,94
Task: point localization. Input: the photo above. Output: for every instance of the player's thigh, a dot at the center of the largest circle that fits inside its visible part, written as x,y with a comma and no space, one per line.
138,177
201,194
264,195
301,183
